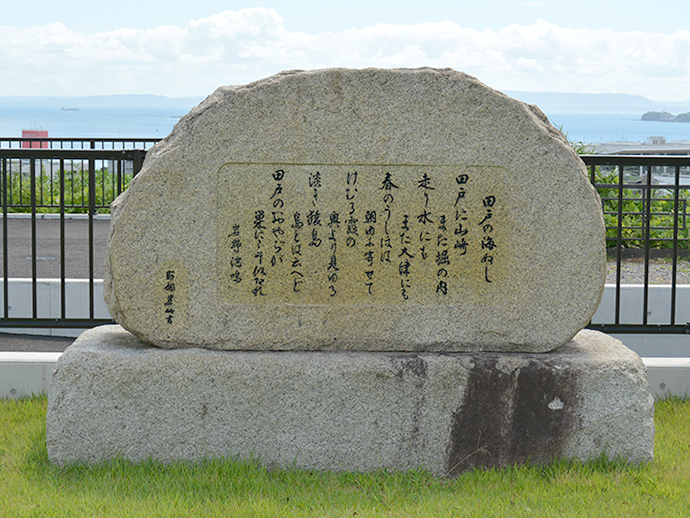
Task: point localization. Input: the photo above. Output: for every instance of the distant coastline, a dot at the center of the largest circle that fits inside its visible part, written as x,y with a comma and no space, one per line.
557,102
666,117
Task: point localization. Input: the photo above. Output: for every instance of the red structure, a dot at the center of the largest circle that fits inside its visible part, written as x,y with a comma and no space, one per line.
40,144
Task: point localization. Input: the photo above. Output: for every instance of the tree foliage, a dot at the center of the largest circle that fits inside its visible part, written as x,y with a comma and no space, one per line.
636,221
76,191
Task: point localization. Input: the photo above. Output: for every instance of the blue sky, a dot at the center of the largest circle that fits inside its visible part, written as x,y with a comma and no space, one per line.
188,48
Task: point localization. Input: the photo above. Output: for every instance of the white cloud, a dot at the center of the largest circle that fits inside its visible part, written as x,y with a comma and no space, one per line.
236,47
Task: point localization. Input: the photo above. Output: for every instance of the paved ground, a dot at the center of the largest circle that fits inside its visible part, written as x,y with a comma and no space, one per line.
660,272
48,247
29,343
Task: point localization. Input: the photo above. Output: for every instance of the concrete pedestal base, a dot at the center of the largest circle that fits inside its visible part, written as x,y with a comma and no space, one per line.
113,395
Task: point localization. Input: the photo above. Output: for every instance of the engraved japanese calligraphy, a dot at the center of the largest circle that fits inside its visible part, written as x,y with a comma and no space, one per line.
172,295
363,234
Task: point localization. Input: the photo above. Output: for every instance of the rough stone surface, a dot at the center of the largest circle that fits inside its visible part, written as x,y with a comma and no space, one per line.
113,395
391,210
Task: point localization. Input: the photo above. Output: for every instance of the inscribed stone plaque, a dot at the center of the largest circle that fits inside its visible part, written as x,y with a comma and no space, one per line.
363,235
381,210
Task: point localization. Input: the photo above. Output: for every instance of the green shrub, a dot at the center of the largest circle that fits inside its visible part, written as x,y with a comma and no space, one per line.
76,191
634,220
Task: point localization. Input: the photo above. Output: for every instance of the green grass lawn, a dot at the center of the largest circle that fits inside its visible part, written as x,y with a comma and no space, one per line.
31,486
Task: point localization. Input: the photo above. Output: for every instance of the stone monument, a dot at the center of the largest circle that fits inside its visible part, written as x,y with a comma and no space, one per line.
350,270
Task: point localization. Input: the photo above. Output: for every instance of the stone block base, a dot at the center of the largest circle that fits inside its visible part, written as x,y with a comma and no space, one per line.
113,395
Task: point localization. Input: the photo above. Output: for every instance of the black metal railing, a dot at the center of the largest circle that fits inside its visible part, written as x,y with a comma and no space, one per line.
76,143
50,180
645,204
43,180
643,197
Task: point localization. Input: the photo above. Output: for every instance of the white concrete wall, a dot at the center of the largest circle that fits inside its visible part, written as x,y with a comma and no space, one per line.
632,304
25,374
48,295
658,312
646,345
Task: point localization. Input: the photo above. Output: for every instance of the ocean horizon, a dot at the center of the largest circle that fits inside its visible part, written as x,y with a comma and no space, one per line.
158,122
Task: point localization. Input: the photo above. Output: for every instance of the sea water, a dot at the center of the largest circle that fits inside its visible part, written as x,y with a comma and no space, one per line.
157,122
595,128
90,121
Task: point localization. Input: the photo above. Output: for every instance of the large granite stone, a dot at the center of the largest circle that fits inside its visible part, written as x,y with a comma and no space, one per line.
112,396
413,210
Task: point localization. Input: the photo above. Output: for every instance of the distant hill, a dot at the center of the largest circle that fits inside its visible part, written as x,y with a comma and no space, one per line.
596,103
666,117
658,116
549,102
129,101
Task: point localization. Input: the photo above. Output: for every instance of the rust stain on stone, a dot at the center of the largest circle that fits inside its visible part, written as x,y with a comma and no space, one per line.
509,418
411,365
